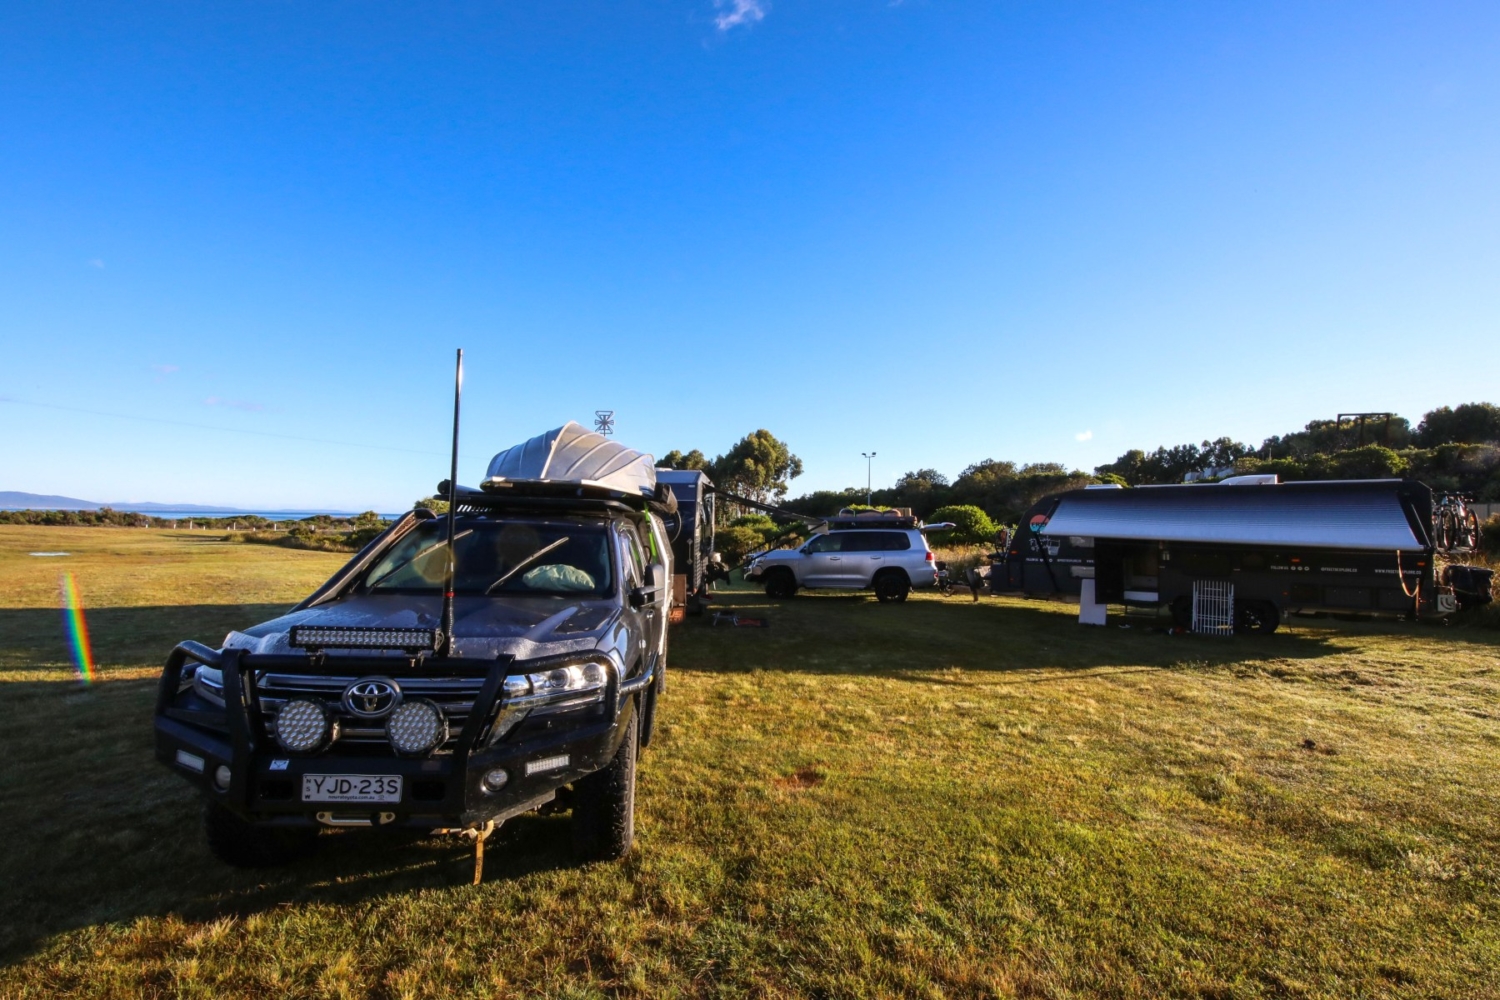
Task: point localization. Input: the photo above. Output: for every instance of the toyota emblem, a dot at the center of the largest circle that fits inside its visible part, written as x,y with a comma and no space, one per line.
372,697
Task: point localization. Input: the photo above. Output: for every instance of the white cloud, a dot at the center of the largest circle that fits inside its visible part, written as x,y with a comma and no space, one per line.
1084,436
733,13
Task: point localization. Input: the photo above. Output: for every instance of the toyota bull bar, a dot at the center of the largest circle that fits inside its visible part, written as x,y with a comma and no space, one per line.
468,779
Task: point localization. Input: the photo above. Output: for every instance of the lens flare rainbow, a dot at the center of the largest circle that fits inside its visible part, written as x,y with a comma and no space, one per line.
78,629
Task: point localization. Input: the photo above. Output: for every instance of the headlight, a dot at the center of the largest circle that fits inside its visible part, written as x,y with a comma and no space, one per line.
547,692
575,677
416,727
208,684
303,726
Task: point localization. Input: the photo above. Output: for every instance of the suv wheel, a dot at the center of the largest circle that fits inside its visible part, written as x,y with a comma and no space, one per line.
238,842
780,583
891,585
604,804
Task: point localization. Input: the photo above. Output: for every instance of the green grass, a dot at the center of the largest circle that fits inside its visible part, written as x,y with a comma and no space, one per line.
932,799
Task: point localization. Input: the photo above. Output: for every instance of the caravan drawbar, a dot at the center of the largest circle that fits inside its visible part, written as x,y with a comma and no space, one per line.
1348,547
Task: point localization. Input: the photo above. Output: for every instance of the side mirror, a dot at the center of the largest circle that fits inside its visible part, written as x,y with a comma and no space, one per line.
645,594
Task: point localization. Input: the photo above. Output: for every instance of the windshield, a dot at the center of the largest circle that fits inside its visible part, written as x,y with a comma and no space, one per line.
499,557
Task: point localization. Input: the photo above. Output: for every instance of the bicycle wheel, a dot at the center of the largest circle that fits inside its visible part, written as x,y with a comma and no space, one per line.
1442,536
1469,537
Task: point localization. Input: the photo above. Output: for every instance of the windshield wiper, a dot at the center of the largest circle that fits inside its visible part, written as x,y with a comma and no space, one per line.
420,555
525,562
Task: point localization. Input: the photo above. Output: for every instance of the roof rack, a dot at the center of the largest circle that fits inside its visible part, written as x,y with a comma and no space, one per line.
544,495
897,517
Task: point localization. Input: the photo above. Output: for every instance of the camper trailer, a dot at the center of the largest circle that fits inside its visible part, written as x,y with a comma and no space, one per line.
690,532
1249,552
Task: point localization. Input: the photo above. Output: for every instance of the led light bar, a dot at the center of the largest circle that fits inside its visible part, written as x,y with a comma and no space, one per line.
315,637
546,764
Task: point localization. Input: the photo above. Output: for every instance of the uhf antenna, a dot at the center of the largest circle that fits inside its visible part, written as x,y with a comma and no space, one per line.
452,568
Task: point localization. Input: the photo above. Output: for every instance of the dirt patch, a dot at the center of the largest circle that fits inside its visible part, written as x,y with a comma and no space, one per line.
803,778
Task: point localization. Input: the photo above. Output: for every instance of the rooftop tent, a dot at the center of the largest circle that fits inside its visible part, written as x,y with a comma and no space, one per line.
1344,515
572,454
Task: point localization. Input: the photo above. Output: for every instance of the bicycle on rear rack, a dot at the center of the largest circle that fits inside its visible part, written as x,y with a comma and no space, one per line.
1455,527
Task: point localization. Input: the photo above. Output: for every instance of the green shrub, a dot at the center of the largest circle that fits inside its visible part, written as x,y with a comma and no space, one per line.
1370,462
736,543
972,526
1489,537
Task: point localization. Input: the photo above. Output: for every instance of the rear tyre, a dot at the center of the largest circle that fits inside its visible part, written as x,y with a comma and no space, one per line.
604,804
240,843
780,584
891,585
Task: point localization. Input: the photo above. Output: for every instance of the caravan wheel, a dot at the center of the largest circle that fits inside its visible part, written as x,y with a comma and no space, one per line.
1257,616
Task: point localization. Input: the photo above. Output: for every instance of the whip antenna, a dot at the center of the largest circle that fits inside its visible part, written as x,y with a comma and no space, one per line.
452,563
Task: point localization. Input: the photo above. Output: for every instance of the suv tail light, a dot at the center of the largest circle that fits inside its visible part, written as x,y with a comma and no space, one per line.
929,555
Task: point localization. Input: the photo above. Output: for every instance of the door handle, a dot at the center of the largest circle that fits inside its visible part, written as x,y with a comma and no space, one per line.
833,558
876,558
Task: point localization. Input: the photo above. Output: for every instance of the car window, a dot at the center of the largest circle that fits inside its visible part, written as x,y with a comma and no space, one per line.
861,541
893,541
825,543
633,553
498,557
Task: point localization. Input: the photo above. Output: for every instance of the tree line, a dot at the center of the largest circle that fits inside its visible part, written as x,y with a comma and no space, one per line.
1451,448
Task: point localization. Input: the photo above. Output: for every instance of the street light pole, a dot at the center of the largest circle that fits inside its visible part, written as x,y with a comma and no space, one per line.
869,457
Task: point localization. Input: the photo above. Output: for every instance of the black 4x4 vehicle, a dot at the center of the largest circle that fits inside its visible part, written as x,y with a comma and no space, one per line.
352,710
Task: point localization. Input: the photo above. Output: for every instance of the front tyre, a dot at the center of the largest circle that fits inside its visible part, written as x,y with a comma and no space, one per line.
239,843
604,804
780,583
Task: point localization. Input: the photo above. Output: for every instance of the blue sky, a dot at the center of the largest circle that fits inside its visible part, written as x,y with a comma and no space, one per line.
247,237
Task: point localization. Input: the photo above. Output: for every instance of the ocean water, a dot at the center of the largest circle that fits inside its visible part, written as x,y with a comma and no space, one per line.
270,515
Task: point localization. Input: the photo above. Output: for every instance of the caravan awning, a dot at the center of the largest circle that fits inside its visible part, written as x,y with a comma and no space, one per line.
1366,515
572,454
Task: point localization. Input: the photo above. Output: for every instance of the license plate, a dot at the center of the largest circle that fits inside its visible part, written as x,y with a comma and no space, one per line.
351,788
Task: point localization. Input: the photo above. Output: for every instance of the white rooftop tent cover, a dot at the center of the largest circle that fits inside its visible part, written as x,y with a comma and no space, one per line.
1359,516
572,454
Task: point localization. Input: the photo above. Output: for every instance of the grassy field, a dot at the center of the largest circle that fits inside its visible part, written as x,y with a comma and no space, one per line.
938,799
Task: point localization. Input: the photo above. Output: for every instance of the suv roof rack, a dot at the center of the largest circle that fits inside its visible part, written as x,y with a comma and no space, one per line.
544,493
897,517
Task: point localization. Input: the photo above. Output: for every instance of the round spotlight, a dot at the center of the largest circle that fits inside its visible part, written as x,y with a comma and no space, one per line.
302,726
495,779
416,727
222,777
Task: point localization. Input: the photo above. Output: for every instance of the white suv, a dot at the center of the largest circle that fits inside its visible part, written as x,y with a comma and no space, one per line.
854,554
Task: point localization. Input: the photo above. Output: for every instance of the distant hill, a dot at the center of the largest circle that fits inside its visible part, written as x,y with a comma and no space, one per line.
13,500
